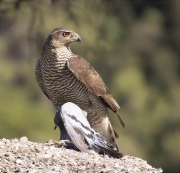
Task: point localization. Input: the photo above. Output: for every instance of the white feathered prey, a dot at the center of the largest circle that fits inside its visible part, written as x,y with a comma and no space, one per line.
77,129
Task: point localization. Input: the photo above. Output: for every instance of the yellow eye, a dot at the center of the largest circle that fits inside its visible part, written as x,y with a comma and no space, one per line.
65,34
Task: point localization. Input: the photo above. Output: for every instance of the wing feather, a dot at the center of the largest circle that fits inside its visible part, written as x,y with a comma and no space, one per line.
89,77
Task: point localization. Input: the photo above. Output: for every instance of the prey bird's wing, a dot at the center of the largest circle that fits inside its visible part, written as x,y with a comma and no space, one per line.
39,78
92,80
81,134
71,115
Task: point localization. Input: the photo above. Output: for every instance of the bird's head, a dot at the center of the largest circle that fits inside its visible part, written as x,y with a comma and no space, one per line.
62,37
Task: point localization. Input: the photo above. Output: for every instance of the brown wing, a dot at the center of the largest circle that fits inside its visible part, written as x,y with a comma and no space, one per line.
89,77
39,78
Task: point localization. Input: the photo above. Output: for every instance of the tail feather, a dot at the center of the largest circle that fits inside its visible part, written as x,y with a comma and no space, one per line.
113,135
109,151
120,119
116,135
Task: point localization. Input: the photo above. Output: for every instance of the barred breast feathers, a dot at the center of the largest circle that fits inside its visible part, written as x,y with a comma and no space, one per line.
39,78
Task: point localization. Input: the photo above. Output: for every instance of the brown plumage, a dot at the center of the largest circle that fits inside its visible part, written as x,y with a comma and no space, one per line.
66,77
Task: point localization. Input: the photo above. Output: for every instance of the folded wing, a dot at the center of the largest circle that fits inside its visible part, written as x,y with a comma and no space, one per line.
89,77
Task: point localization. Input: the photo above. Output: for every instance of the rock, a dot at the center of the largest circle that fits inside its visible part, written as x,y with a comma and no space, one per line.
19,161
23,139
26,156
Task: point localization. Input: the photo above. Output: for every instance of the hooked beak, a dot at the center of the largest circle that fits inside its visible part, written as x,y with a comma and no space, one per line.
74,38
77,38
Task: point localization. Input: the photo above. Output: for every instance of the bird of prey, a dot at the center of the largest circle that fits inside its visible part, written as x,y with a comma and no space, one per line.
72,119
65,77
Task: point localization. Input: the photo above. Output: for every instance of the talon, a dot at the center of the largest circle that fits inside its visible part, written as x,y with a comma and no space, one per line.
61,143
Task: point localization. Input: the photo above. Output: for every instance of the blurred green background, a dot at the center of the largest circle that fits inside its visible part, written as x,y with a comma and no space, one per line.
133,45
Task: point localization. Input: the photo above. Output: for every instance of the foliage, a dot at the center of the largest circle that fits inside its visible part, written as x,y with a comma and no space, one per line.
134,47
